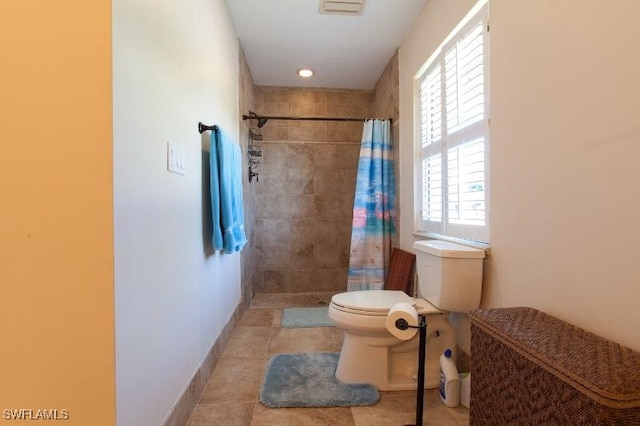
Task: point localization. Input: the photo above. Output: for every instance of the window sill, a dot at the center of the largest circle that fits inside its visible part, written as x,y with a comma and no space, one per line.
417,235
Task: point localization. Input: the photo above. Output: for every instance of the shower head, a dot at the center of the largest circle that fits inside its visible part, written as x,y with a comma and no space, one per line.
253,116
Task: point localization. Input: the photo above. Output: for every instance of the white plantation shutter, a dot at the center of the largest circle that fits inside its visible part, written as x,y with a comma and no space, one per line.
432,188
431,107
465,183
431,130
465,80
452,106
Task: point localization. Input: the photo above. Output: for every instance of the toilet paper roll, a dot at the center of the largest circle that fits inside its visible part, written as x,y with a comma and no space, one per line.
406,312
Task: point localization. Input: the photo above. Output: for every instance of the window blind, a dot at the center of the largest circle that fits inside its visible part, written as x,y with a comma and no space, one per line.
452,106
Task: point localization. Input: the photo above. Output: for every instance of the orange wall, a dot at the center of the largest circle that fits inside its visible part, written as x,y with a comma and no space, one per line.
56,210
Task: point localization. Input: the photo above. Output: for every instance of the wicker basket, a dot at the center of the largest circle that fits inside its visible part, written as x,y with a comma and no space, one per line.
529,368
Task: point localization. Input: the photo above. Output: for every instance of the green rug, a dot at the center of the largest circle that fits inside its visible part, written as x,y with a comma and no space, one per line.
306,317
308,380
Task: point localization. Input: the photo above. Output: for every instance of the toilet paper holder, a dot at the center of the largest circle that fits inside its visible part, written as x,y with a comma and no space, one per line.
402,324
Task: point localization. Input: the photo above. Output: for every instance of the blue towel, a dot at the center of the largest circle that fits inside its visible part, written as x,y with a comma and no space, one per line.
226,193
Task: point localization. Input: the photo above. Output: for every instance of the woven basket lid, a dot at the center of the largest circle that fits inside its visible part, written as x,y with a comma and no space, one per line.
590,363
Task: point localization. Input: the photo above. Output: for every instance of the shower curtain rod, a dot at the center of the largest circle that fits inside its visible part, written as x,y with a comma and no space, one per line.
262,119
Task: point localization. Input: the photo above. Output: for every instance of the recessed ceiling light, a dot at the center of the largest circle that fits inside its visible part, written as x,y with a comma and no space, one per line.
305,72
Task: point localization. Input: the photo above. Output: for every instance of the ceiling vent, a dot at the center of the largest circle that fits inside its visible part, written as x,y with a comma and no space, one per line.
342,7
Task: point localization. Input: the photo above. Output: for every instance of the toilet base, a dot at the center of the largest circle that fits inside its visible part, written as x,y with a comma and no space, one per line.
390,364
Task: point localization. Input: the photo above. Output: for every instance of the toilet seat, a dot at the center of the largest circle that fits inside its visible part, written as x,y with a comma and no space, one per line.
369,302
378,302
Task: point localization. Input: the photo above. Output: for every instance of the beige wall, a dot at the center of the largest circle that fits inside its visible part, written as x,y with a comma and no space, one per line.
565,139
56,249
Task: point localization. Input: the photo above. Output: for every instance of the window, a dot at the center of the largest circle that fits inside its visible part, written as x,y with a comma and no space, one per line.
452,107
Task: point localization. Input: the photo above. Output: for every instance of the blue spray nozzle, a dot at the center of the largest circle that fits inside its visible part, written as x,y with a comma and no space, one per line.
447,353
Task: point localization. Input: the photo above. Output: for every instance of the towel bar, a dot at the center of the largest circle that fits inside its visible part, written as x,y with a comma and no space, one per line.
203,128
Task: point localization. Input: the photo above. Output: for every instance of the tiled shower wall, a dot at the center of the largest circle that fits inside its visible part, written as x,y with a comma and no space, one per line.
386,104
304,195
248,254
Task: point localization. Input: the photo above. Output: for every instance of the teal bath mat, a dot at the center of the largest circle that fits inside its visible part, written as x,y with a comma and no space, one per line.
306,317
308,380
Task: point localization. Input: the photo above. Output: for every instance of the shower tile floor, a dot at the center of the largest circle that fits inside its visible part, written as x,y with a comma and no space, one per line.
231,395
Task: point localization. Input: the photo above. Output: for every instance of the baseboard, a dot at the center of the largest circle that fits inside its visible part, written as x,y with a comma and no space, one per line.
186,403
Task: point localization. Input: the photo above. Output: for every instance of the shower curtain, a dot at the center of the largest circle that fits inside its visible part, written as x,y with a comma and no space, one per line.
373,209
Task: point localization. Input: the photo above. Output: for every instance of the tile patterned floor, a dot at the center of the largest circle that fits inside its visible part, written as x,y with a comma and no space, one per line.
231,395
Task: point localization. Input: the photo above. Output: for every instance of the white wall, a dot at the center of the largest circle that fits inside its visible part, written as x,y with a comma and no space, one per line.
565,138
174,64
565,141
436,21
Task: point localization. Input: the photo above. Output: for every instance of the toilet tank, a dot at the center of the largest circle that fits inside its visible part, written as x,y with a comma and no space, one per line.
449,275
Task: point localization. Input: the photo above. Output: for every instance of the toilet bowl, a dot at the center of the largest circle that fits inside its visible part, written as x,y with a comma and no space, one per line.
371,354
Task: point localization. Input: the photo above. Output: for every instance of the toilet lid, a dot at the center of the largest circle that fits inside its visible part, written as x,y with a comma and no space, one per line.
372,301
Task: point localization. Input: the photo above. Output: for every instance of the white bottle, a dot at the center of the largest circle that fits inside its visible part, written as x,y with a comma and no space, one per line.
449,380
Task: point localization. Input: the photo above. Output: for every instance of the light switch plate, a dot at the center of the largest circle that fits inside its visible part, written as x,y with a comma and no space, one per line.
176,158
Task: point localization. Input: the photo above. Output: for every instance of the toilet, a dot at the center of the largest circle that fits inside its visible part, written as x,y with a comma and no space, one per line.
449,280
